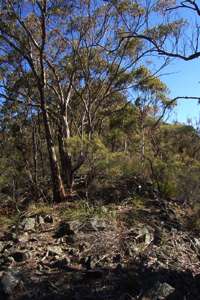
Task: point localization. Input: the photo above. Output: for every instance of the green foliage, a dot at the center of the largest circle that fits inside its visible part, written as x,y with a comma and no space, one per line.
134,9
99,159
149,82
97,90
165,177
161,31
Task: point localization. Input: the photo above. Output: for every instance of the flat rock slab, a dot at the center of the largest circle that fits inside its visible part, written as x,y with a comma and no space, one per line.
55,250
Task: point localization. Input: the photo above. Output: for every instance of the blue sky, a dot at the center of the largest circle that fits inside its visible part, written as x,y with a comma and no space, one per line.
184,80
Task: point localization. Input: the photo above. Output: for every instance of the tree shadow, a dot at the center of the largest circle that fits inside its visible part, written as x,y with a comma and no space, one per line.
105,284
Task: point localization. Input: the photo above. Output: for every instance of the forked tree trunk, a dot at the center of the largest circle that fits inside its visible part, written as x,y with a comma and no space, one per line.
57,184
67,172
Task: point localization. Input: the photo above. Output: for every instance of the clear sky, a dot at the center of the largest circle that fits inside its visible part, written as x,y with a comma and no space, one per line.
184,80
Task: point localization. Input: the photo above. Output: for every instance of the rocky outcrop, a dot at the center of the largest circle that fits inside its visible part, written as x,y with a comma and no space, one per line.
48,258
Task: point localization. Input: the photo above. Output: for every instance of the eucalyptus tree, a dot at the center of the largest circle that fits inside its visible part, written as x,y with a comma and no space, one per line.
25,28
169,28
69,62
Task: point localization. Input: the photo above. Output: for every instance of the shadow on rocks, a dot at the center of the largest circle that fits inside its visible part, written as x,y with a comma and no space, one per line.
120,283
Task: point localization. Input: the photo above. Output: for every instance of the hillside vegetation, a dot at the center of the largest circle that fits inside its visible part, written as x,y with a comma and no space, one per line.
99,187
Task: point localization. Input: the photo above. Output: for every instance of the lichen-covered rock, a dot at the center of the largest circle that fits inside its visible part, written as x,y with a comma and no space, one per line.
40,220
2,246
55,250
160,291
9,282
94,224
23,238
28,224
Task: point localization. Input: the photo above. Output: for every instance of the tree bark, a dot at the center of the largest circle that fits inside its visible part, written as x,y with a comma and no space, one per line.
66,164
35,153
57,185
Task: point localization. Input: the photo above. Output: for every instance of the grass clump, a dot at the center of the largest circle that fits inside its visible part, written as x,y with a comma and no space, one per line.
7,221
137,202
135,210
40,208
84,211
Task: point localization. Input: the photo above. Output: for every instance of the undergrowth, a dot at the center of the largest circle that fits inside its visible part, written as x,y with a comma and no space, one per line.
83,211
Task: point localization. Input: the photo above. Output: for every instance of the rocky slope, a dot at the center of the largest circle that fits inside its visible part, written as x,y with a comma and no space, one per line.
136,253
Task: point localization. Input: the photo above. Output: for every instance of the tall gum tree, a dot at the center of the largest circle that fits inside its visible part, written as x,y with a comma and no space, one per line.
27,35
78,65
